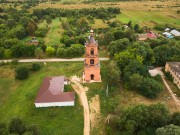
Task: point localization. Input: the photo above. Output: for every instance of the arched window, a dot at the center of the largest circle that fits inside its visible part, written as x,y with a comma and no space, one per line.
92,77
92,51
91,62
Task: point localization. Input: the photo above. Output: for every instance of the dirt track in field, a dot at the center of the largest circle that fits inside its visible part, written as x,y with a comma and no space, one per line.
81,91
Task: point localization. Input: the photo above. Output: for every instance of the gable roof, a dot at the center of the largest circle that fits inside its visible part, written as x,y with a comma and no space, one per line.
51,90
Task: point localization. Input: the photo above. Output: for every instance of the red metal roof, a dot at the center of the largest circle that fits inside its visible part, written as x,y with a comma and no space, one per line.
51,90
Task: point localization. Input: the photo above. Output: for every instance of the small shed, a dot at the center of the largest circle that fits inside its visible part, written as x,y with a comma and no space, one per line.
168,35
175,33
167,29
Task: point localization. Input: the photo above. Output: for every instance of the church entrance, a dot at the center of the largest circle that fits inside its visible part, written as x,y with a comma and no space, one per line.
92,77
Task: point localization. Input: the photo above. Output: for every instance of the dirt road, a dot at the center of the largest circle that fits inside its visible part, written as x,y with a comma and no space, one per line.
81,91
176,100
51,60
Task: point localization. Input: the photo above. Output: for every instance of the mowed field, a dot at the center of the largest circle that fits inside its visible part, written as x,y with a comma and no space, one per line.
54,34
150,18
17,100
129,5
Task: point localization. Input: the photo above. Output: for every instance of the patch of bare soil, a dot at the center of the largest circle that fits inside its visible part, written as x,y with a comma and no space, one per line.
95,116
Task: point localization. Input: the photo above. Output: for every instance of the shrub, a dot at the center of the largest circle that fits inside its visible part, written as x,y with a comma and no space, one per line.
22,72
36,66
17,126
50,51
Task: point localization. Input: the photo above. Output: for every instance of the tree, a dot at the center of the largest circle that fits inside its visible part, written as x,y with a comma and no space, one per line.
22,72
82,24
142,118
62,52
175,118
134,67
3,129
33,129
2,52
108,38
38,53
50,51
36,66
67,41
17,126
7,53
150,88
123,58
31,28
118,46
168,130
118,34
48,20
113,74
129,24
136,28
16,51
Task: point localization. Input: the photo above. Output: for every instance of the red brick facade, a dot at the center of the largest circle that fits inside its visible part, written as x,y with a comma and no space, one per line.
91,62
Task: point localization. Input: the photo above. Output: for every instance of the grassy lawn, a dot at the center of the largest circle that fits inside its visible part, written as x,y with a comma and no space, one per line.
54,33
42,24
99,24
149,18
55,120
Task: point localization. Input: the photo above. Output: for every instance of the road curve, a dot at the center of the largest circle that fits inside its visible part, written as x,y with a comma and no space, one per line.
81,91
51,60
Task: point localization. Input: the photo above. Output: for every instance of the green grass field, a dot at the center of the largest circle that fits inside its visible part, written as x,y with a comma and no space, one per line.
20,102
151,18
54,34
99,24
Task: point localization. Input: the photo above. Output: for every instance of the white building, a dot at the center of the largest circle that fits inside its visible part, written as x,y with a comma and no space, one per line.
175,33
51,93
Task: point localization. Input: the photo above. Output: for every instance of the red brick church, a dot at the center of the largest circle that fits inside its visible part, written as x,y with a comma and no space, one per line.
91,62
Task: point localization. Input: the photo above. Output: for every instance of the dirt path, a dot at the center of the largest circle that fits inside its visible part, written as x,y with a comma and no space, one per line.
81,91
175,99
95,111
51,60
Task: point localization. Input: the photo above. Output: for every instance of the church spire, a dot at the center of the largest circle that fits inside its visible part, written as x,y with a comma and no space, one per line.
91,39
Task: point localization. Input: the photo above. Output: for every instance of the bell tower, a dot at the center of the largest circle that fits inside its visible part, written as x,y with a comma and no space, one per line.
91,62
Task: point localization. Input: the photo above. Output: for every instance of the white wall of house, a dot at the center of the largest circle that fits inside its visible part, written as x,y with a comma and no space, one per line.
70,103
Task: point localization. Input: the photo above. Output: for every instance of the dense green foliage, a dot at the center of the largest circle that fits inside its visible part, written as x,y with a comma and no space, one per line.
18,127
22,72
142,119
36,66
18,24
168,130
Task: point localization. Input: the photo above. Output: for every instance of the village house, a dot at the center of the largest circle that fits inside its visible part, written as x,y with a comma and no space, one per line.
148,35
51,93
142,37
175,33
174,69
